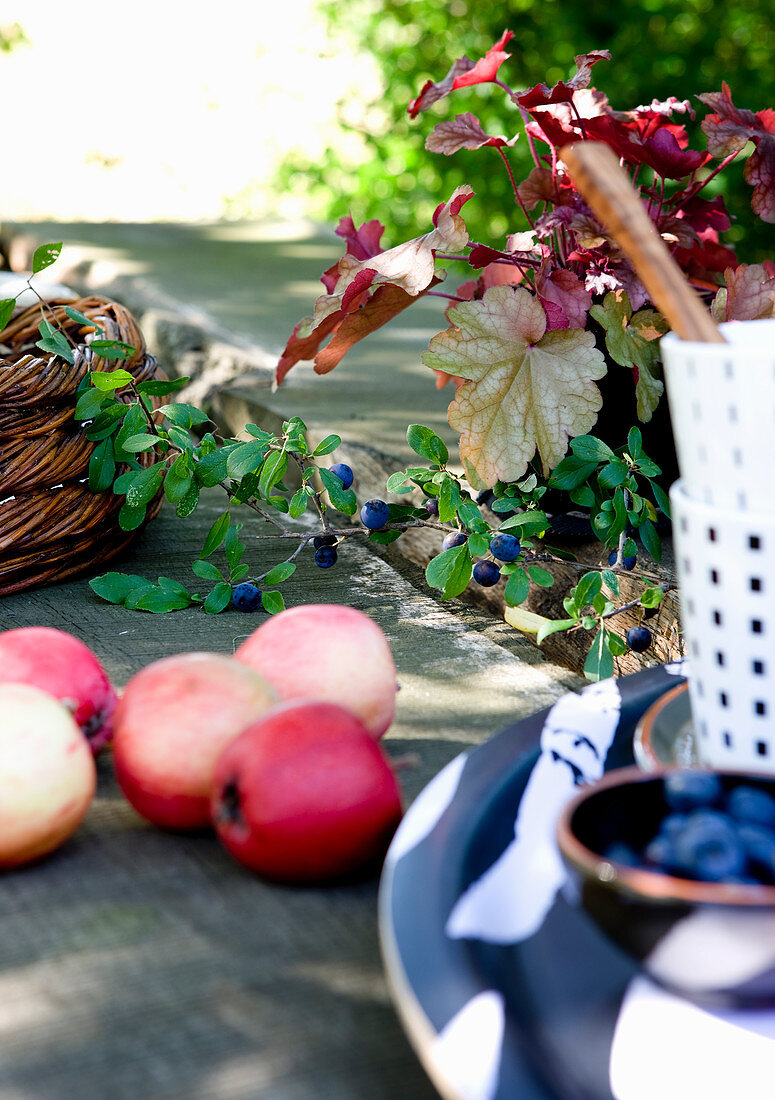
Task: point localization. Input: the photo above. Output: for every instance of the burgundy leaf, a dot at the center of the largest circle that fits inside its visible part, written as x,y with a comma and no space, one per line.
663,153
729,129
462,132
564,289
562,92
463,73
749,293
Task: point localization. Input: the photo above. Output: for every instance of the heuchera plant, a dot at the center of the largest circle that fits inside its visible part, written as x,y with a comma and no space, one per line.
521,350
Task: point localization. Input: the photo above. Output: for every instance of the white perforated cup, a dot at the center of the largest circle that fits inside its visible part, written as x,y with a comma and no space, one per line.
722,409
726,573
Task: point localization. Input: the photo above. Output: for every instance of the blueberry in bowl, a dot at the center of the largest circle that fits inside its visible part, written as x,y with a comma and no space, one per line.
678,869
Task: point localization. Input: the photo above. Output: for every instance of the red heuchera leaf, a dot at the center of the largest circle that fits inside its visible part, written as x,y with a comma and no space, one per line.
663,153
463,73
361,243
705,213
728,130
566,290
749,294
705,259
371,290
462,132
562,92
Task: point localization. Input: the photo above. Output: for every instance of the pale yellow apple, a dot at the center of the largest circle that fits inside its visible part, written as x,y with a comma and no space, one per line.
47,774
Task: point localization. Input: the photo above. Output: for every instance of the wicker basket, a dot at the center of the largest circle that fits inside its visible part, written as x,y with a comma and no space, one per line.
51,525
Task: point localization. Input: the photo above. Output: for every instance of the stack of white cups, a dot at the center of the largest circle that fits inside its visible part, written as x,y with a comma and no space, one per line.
722,406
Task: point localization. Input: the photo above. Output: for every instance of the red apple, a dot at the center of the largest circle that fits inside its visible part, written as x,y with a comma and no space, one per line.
65,667
172,722
47,774
305,794
327,651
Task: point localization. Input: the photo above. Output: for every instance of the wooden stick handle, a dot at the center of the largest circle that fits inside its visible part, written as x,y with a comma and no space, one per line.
612,198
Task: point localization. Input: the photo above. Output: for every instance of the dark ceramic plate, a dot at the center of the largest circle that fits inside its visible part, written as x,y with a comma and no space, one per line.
506,989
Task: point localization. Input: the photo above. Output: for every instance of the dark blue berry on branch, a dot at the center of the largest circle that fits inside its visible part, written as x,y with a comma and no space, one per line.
344,473
638,638
486,573
375,514
325,557
247,597
505,547
432,506
454,538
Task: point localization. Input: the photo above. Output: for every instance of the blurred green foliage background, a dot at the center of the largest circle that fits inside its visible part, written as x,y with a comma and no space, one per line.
659,48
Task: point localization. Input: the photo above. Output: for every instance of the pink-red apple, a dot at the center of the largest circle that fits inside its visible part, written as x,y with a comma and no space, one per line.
305,794
65,667
327,651
173,720
47,774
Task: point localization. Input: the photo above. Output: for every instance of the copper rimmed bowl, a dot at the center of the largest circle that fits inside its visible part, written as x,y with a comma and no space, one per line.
712,941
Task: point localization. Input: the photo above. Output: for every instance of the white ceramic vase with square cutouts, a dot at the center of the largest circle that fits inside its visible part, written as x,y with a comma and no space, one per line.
726,572
722,409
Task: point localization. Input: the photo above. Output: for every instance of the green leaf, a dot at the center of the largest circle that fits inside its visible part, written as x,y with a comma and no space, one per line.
218,598
207,570
661,497
187,504
617,645
517,588
280,573
589,448
554,626
89,404
542,577
478,545
586,590
650,539
7,306
652,597
326,446
633,341
599,664
130,518
610,578
531,522
344,500
239,573
180,437
134,422
145,485
45,256
571,472
450,571
211,469
396,483
184,416
384,538
102,466
161,600
111,349
427,444
106,422
298,504
583,496
115,587
108,381
178,479
449,499
635,443
81,318
272,471
245,458
234,546
142,442
171,585
613,473
156,387
216,535
137,594
273,602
